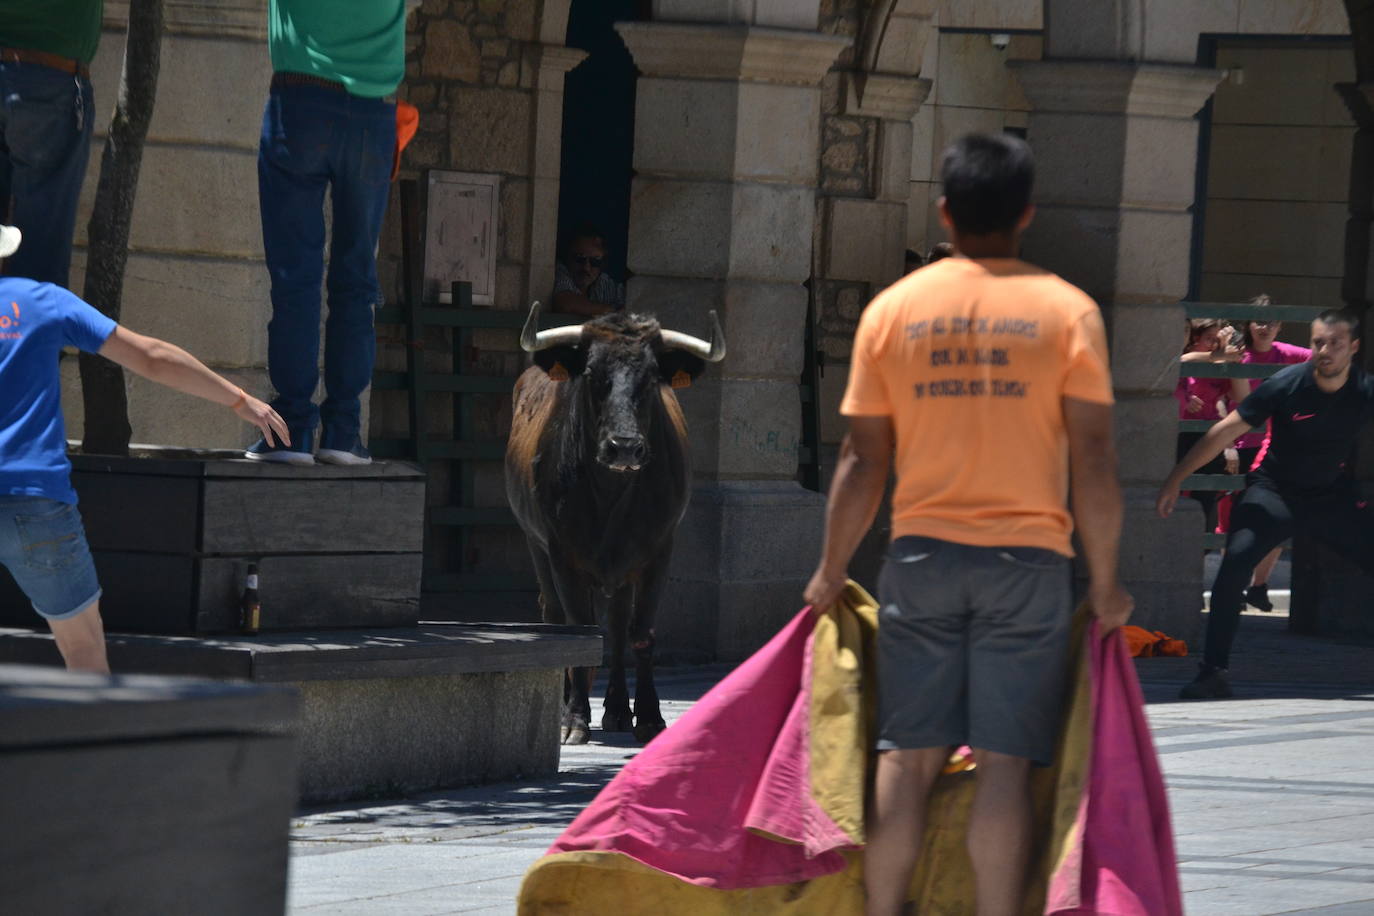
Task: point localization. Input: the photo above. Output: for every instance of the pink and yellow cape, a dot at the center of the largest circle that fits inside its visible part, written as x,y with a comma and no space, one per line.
753,802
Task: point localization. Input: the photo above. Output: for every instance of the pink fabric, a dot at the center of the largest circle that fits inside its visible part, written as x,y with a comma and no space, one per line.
1125,865
691,802
735,763
1278,353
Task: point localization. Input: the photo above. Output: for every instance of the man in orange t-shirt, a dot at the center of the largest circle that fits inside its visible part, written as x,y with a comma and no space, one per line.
988,378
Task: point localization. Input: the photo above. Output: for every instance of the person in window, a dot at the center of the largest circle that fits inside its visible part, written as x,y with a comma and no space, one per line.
581,286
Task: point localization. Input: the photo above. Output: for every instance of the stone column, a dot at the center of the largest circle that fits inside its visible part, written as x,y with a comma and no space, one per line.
721,217
1116,153
550,65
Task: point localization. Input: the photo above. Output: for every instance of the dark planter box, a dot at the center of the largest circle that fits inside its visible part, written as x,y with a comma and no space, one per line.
173,532
138,794
1331,596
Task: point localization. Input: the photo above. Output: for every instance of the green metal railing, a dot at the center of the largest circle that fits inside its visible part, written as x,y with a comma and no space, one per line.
1231,312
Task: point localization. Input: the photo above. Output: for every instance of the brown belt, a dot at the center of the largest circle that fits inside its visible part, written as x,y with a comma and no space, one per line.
44,59
305,79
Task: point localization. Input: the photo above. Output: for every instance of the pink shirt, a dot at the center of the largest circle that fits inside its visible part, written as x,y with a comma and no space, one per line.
1279,353
1210,390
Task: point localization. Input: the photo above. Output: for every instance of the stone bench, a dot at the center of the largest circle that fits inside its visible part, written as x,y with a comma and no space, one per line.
137,794
386,711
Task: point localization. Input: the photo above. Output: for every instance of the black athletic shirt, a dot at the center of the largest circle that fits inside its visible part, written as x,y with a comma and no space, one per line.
1313,435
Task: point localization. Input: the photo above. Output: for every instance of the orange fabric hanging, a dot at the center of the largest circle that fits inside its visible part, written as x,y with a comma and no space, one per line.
407,122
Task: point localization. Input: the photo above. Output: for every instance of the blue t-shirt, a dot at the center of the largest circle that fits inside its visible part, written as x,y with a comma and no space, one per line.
36,321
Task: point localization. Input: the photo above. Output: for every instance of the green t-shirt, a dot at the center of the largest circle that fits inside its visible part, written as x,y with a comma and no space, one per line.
360,43
70,28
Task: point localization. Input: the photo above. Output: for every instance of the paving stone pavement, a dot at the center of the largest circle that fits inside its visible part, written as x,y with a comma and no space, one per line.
1272,796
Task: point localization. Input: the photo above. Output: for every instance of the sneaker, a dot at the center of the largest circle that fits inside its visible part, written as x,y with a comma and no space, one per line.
1257,596
354,455
261,451
1210,684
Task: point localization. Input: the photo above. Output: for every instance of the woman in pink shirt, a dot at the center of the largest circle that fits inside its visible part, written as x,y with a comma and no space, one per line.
1261,346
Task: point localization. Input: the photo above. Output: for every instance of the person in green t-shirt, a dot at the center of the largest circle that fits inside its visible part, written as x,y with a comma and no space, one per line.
330,124
46,47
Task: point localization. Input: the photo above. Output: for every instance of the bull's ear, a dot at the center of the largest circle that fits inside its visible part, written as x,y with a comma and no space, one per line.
561,363
679,368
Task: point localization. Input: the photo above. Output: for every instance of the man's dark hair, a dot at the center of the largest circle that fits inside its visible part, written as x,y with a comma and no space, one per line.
585,230
987,180
1342,316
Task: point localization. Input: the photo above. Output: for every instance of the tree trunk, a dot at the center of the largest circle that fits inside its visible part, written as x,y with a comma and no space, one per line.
102,382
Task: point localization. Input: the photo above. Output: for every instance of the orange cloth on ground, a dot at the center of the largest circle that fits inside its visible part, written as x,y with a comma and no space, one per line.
1141,643
407,122
972,360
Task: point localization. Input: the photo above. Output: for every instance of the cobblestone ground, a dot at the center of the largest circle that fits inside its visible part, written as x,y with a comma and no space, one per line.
1272,796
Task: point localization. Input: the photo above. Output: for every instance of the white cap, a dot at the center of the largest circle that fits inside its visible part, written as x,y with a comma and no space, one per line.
9,240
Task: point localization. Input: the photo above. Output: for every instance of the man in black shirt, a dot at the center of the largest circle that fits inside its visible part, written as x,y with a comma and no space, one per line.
1304,479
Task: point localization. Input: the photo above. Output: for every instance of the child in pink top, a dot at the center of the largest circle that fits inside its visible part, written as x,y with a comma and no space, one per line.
1206,399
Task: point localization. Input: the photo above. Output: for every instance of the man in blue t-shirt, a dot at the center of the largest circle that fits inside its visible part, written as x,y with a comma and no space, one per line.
42,541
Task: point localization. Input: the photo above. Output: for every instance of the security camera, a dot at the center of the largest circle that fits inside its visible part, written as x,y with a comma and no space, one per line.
1000,40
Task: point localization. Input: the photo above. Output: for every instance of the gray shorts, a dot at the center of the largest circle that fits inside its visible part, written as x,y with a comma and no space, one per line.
973,646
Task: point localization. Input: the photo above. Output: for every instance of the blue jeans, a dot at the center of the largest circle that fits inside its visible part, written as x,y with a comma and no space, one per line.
45,140
43,545
315,138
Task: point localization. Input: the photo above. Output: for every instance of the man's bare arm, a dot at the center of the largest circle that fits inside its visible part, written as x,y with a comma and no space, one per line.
855,494
1097,507
168,364
1219,437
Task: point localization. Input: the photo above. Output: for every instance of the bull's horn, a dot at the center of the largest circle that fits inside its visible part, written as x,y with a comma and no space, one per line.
532,339
712,352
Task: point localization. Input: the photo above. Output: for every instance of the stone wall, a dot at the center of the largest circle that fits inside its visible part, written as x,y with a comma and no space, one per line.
1278,175
972,90
195,273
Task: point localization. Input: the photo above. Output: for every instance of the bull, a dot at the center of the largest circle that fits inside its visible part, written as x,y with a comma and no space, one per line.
598,474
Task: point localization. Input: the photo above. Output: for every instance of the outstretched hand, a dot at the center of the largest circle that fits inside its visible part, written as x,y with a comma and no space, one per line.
264,418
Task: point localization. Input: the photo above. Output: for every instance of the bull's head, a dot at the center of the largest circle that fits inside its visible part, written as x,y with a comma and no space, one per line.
617,364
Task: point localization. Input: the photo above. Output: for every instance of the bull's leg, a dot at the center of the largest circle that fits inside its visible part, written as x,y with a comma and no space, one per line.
574,596
550,610
616,717
648,717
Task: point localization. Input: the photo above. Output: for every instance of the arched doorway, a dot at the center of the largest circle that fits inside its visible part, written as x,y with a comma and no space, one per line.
598,126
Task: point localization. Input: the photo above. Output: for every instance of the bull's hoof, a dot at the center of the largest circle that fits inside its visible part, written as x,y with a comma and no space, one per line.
575,730
647,731
617,721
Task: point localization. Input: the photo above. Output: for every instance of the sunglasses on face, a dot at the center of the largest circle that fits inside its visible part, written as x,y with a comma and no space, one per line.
587,260
1265,324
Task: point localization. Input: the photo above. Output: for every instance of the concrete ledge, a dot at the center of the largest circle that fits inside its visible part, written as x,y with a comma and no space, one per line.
384,712
431,649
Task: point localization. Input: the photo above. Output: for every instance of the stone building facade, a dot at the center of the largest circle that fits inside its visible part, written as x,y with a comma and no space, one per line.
785,155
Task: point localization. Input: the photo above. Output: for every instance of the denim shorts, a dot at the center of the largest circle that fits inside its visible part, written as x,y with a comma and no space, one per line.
973,647
43,545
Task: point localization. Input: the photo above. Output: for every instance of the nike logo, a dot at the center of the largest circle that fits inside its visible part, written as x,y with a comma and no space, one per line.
1303,416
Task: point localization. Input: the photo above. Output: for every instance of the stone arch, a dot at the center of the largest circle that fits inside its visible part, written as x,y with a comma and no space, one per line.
894,37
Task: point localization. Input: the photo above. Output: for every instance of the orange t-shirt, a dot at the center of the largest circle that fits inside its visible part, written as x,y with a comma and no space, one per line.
972,360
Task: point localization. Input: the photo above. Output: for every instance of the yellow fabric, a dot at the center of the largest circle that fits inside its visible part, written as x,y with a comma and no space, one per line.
975,358
843,710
